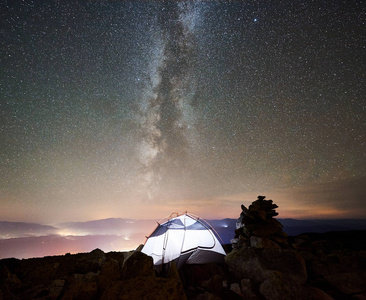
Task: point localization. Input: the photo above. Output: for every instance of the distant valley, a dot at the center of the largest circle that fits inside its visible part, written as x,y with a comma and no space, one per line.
26,240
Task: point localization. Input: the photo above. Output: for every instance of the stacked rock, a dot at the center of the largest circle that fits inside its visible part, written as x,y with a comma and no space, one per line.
256,226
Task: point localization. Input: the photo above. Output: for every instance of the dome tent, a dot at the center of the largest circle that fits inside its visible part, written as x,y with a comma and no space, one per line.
184,239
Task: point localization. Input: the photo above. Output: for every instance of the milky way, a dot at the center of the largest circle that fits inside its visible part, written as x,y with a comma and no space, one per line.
167,112
122,108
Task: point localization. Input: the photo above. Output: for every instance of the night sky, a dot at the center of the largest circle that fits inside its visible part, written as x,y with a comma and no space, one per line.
141,109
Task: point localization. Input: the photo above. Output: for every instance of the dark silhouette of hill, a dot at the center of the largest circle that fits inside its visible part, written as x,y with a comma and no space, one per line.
226,227
21,229
295,227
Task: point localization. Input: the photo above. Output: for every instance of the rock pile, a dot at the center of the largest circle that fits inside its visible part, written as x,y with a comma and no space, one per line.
256,226
266,264
321,267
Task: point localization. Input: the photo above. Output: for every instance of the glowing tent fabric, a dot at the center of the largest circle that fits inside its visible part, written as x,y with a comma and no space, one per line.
184,239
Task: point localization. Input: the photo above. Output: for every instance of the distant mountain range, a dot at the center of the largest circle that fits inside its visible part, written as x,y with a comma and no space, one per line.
111,226
292,227
24,240
21,229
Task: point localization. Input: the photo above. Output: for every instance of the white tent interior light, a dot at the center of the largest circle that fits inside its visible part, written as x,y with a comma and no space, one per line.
184,239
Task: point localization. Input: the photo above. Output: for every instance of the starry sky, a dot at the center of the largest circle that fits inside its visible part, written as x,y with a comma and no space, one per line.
140,109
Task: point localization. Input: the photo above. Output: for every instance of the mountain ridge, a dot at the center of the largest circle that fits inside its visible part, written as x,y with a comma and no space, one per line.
26,240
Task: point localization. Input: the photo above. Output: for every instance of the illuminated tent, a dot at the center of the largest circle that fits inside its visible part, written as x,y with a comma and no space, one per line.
184,239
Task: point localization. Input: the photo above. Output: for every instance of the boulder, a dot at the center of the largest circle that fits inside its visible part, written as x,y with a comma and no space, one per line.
195,275
214,285
8,278
235,287
81,286
109,273
138,265
263,243
50,291
248,289
206,296
341,273
38,270
258,264
81,263
317,294
359,297
148,287
6,293
277,286
56,288
204,281
349,283
121,257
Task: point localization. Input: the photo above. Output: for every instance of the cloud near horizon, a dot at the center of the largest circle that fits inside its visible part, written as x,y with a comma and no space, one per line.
335,199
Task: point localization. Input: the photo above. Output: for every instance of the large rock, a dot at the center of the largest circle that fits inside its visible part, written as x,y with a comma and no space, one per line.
277,286
203,281
138,281
208,296
314,293
38,270
214,285
148,287
263,243
81,286
109,274
258,264
273,273
340,272
350,283
120,257
138,265
8,282
81,263
8,278
56,289
248,289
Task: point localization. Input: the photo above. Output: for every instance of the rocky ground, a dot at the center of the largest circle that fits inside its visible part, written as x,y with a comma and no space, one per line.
313,266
